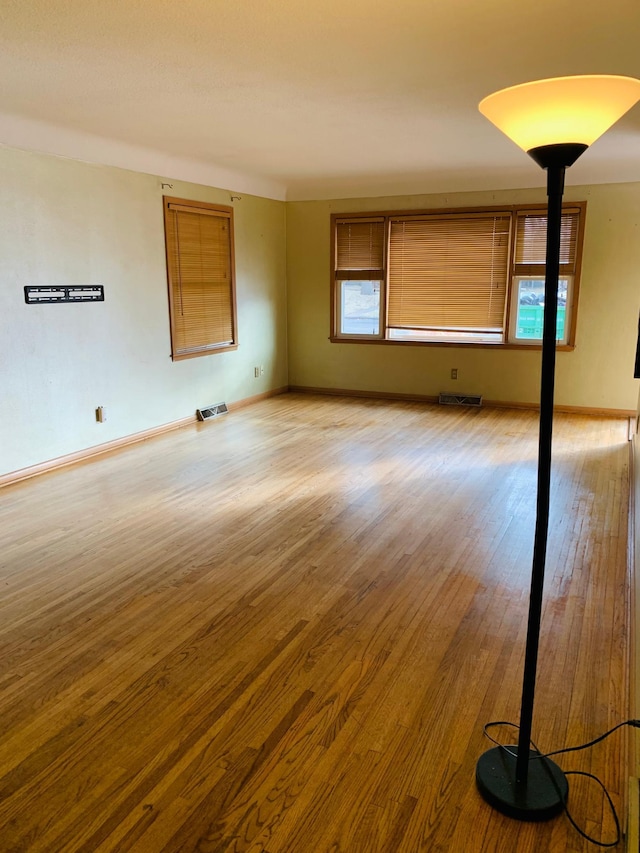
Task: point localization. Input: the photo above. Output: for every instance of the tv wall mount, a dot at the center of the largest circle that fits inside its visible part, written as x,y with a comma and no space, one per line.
53,293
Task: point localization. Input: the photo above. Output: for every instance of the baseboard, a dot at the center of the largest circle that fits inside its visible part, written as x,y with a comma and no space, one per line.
492,404
371,395
592,411
633,817
633,574
89,452
118,443
249,401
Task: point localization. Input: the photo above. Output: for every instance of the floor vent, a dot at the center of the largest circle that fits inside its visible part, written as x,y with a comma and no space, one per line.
460,400
212,411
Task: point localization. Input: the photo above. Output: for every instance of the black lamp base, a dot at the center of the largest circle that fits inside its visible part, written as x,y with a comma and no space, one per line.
542,796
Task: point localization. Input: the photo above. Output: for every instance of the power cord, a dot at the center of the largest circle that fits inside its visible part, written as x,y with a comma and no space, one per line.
541,756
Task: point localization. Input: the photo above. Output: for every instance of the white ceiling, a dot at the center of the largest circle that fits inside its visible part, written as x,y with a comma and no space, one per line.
300,100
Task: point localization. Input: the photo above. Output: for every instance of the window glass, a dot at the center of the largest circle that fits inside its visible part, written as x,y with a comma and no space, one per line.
529,309
359,307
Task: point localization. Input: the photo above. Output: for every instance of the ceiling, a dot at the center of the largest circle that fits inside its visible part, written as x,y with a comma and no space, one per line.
306,100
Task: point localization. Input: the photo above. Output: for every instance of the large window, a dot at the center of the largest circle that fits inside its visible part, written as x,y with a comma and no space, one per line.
200,266
458,276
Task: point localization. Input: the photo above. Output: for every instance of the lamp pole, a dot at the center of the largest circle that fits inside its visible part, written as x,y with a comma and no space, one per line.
555,188
536,789
539,117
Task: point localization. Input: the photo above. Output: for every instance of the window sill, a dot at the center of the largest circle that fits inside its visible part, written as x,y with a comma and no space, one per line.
458,344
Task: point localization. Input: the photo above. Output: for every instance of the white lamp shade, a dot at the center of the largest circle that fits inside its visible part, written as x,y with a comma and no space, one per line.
561,109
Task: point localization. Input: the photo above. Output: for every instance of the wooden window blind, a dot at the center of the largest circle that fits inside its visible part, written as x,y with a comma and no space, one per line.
360,248
199,242
531,242
449,272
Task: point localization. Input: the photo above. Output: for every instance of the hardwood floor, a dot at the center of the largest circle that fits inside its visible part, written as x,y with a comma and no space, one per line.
283,631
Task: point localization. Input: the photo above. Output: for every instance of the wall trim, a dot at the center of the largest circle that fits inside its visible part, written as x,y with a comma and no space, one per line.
256,398
593,411
633,558
89,452
633,647
493,404
118,443
373,395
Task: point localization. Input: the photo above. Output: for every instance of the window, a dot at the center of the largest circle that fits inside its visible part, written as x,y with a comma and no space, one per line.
528,275
447,276
359,275
467,276
200,269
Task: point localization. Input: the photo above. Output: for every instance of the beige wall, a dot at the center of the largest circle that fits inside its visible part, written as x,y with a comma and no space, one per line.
597,374
67,222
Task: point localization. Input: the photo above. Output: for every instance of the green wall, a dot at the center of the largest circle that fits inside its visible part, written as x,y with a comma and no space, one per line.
597,374
67,222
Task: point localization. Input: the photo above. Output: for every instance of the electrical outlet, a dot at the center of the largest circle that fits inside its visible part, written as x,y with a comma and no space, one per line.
454,372
256,372
101,414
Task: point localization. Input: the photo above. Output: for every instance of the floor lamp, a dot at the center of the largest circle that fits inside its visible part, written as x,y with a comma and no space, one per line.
554,121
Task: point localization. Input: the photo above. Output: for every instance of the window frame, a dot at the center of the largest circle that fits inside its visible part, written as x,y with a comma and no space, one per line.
377,273
569,271
179,352
507,342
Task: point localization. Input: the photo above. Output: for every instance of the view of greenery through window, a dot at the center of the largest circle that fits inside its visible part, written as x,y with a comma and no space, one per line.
530,316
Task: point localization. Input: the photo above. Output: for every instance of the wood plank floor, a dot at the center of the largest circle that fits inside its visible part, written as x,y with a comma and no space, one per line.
283,630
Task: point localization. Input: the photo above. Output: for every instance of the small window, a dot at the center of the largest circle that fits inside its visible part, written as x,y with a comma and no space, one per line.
359,255
528,274
200,270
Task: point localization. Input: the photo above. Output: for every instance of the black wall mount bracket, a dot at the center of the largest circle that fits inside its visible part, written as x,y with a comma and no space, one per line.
35,295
